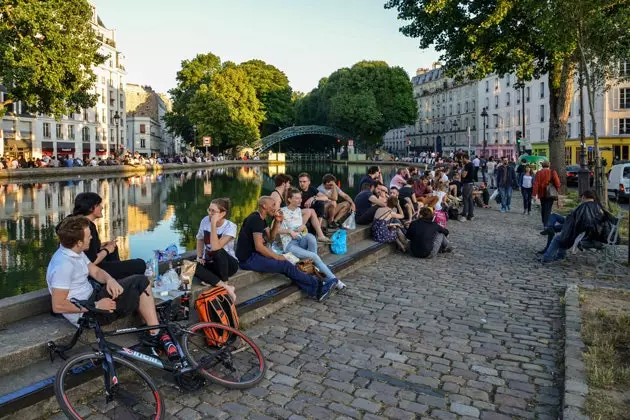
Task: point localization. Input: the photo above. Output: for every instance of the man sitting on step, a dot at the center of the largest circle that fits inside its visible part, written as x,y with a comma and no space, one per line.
67,278
255,256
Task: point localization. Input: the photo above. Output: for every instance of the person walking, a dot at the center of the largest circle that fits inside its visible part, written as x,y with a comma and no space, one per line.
527,185
476,164
544,178
491,165
506,182
468,174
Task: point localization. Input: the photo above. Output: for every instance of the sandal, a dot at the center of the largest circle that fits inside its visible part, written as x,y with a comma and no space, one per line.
324,240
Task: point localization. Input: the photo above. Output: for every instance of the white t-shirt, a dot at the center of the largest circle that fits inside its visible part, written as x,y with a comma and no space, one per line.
527,181
440,195
476,162
68,270
292,219
491,166
227,228
329,192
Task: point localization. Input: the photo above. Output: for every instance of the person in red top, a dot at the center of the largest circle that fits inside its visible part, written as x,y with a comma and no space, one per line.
542,179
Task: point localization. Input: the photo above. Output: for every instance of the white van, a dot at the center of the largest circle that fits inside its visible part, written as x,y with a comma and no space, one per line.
619,182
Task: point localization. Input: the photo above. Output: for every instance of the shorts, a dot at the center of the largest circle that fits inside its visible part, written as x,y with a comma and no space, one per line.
127,302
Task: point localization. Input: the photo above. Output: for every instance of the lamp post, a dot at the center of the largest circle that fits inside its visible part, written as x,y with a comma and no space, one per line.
484,114
116,122
583,173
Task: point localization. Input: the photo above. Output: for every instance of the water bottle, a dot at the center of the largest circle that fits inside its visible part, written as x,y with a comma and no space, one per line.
156,265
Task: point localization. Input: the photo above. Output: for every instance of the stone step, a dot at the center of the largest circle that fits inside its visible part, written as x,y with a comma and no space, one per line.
25,341
35,303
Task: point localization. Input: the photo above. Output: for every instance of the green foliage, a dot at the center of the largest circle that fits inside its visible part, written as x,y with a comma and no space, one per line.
47,50
367,100
233,103
274,93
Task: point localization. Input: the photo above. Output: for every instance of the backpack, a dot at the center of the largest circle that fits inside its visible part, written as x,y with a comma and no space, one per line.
338,245
215,305
453,213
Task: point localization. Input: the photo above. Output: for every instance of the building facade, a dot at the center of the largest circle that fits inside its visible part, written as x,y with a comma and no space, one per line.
450,115
92,132
395,140
146,128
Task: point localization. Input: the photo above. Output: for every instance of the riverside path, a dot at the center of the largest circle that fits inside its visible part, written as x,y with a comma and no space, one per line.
473,334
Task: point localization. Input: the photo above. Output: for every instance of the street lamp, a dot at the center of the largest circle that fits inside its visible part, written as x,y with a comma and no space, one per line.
117,121
484,114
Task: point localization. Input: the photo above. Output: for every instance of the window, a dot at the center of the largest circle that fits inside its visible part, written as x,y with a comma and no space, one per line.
568,130
59,131
473,105
111,133
85,134
496,137
518,117
508,119
527,90
104,118
46,127
624,68
590,127
542,113
487,103
143,143
624,98
542,134
466,106
621,126
459,108
487,85
507,137
102,95
527,116
496,101
102,80
496,121
496,84
542,89
71,132
507,100
507,80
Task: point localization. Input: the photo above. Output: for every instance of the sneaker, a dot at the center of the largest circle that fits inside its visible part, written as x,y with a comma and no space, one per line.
508,208
448,249
340,285
461,219
327,287
502,210
169,347
470,218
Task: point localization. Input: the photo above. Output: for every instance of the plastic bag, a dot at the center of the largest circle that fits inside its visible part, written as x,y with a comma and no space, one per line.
170,280
494,194
350,222
188,271
338,245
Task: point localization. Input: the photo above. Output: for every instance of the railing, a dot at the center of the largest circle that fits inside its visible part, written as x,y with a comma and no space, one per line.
308,156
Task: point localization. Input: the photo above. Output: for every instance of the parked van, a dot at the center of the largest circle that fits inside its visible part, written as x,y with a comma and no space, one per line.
619,182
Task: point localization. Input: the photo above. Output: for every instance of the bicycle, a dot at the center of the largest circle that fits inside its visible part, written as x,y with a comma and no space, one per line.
129,391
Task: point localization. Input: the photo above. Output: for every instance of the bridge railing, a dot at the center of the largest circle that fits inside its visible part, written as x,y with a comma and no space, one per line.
308,156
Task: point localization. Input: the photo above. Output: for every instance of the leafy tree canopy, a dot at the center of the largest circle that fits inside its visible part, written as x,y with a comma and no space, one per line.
367,100
47,50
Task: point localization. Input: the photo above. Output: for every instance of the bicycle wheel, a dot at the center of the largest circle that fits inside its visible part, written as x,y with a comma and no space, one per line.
237,364
80,390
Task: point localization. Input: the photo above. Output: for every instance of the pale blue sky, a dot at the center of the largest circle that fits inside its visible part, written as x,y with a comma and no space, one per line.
307,39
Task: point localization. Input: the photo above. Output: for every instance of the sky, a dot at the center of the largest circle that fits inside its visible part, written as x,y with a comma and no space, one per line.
306,39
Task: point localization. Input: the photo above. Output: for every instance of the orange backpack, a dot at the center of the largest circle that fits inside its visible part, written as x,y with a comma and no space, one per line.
215,305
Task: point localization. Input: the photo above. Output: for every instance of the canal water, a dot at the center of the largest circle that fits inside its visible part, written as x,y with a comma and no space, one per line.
142,213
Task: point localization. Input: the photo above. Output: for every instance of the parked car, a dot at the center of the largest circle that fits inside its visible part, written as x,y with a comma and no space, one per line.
572,175
619,182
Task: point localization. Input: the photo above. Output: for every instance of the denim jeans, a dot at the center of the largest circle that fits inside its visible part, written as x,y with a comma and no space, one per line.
306,247
467,194
546,204
555,221
554,252
506,197
527,199
258,263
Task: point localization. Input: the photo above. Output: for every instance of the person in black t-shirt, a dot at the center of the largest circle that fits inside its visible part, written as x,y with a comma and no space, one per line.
367,202
313,206
468,174
426,237
408,200
253,255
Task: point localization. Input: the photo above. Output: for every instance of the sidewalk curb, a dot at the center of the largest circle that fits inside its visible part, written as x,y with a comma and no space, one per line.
575,383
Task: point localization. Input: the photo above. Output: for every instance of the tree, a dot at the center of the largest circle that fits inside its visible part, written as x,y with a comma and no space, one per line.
192,75
528,37
603,43
366,100
47,50
227,109
274,93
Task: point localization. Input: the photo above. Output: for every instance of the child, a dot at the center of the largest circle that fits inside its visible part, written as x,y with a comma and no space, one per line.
482,196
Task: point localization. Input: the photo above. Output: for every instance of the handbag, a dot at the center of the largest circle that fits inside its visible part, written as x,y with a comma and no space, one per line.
307,266
550,190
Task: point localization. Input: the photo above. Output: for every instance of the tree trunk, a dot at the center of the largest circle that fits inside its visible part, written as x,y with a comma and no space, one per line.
561,78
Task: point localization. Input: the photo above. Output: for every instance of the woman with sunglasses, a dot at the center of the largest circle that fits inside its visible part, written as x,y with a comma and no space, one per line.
215,247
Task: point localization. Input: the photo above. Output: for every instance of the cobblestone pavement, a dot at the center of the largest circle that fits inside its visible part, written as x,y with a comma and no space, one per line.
473,334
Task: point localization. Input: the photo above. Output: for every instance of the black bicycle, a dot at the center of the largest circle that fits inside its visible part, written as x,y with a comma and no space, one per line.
234,361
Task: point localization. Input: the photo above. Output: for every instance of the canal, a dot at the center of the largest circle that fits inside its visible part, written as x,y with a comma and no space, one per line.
142,213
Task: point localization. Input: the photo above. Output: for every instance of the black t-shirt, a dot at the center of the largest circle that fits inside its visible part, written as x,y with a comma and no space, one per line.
366,178
405,192
421,233
245,247
469,168
362,202
309,193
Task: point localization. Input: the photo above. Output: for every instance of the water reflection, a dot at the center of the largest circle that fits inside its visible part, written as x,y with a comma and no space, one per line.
141,212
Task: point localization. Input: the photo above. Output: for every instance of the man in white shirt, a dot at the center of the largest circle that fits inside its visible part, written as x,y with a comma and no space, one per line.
67,278
476,163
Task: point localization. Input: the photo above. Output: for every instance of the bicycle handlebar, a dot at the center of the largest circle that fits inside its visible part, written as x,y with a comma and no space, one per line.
89,305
